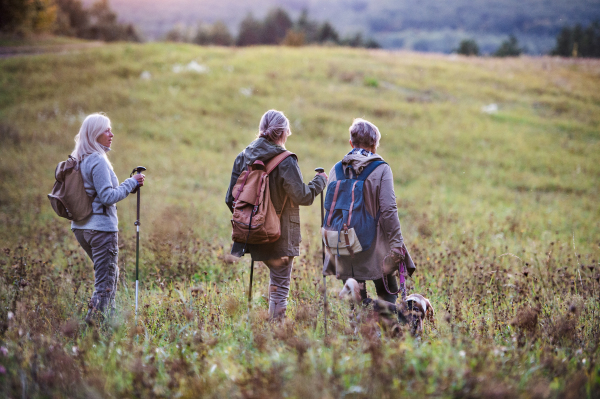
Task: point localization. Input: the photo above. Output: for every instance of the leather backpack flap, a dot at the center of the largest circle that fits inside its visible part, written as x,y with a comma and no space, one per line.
272,219
240,182
263,198
270,228
253,202
250,191
61,171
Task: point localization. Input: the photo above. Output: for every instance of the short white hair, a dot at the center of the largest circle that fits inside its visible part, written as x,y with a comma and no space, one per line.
86,141
364,134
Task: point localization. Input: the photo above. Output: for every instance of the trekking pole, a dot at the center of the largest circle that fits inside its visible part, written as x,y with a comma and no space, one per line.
137,171
321,170
250,289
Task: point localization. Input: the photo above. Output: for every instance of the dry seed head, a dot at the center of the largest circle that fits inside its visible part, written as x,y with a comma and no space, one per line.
573,308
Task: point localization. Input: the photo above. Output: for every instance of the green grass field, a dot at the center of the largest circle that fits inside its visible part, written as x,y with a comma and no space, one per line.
500,211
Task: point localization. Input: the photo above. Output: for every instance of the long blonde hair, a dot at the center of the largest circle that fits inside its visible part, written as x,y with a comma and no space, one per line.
86,140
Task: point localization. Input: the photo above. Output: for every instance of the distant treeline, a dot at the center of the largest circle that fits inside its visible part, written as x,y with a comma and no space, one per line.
65,18
508,48
578,41
570,42
277,28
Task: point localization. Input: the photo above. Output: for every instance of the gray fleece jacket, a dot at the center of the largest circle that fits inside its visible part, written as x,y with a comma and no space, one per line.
100,180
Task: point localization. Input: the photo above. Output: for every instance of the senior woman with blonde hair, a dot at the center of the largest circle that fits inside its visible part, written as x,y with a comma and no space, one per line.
98,233
285,182
380,202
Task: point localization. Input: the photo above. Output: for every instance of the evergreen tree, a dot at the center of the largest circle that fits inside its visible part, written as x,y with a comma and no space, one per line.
372,43
26,16
104,25
275,26
353,41
468,47
591,42
72,19
307,27
578,42
220,35
217,34
327,33
250,32
577,39
13,14
509,48
202,35
180,33
564,43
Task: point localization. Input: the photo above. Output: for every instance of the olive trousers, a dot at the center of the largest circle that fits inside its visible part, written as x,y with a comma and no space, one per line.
103,249
279,285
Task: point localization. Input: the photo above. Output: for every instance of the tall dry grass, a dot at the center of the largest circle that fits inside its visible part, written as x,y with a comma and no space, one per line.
499,212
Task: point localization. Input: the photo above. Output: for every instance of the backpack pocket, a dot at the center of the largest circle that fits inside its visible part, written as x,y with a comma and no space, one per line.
344,242
59,207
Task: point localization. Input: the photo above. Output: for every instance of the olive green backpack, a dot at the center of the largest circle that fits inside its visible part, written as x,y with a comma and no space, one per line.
68,197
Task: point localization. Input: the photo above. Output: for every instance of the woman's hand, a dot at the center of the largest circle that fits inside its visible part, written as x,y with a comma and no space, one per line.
397,255
140,179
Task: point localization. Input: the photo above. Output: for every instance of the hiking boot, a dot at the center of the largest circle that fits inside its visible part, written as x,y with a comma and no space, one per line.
94,318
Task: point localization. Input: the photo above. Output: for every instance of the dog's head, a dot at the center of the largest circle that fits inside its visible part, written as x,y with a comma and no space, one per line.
417,309
351,291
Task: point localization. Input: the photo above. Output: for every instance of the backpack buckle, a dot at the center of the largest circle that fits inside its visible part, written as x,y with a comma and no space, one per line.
347,239
345,228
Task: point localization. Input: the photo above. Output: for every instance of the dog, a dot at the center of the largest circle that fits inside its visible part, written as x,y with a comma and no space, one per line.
413,312
419,308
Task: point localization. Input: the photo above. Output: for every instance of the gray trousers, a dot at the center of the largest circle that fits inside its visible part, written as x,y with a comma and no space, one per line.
279,285
103,249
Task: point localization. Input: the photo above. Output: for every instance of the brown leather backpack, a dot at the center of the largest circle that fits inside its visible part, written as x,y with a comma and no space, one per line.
254,219
68,197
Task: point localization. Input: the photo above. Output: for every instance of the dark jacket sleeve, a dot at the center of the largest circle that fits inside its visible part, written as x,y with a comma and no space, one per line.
238,166
293,184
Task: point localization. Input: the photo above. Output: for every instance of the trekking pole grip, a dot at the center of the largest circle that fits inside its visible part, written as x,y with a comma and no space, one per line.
136,171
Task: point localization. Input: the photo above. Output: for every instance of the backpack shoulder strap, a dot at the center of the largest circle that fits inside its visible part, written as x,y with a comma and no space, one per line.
276,160
339,171
369,169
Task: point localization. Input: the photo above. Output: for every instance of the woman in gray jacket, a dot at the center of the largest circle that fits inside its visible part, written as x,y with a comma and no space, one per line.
285,180
98,233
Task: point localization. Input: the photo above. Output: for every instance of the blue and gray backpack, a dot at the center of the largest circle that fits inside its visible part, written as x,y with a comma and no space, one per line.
348,228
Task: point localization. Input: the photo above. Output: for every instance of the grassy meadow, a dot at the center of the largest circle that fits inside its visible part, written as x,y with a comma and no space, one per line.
499,209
